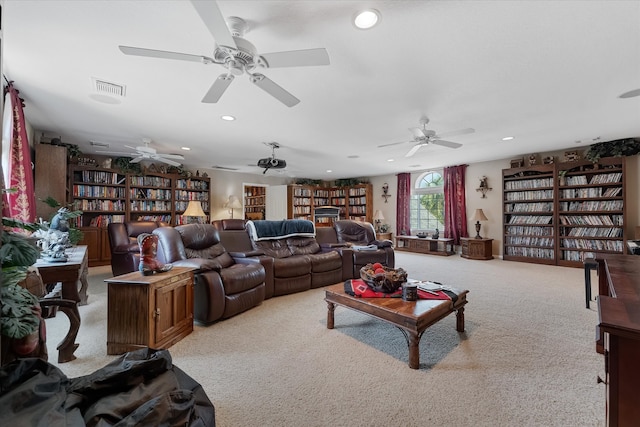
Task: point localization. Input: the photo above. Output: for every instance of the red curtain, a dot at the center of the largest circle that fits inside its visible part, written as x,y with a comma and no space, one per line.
455,220
20,203
403,223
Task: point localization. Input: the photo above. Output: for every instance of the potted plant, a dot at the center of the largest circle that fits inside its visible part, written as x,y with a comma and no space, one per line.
618,147
384,228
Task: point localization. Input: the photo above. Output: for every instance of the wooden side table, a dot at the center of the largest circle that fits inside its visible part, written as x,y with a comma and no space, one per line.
476,248
384,236
149,311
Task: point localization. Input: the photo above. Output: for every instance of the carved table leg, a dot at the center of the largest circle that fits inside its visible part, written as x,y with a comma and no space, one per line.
331,308
84,285
460,319
68,344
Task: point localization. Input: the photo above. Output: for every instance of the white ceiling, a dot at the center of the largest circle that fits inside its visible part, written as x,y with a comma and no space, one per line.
548,73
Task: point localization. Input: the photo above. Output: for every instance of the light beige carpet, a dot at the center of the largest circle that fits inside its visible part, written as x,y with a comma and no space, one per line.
527,357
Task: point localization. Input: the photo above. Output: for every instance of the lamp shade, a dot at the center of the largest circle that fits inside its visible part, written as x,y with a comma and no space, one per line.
479,216
378,215
194,208
234,203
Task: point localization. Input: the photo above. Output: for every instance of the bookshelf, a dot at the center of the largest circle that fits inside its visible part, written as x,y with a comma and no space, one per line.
562,213
107,195
254,201
354,202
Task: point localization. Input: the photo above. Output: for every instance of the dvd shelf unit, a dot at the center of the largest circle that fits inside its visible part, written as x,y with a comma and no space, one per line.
563,213
255,201
529,225
107,195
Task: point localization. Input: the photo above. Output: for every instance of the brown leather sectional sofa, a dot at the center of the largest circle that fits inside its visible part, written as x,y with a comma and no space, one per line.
235,273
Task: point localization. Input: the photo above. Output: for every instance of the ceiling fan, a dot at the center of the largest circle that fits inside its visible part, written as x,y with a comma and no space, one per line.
423,136
144,152
237,55
271,162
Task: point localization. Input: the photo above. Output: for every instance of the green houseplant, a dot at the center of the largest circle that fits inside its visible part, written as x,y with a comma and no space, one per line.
615,148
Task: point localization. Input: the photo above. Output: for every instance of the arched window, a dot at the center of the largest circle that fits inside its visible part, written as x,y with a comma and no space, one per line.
427,203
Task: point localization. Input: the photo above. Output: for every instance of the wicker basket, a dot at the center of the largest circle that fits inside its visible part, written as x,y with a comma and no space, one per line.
388,282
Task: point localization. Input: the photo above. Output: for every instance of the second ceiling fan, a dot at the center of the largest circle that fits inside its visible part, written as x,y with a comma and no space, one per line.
237,55
423,136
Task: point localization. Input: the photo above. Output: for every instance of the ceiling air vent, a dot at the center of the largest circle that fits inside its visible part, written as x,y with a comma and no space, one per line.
108,88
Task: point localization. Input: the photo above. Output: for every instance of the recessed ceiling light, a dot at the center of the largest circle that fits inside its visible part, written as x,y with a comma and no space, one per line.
390,160
185,148
507,138
366,19
630,94
228,118
329,171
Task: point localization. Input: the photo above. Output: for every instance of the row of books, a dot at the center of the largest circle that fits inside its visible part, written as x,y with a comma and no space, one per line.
591,220
528,230
101,177
530,195
191,220
540,253
361,191
163,218
181,205
191,195
576,256
357,200
530,219
530,241
299,210
528,184
149,193
105,220
97,191
593,245
98,205
529,207
595,232
192,185
590,192
592,205
150,205
150,181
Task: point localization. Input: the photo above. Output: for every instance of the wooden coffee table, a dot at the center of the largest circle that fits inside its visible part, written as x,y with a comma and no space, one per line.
411,317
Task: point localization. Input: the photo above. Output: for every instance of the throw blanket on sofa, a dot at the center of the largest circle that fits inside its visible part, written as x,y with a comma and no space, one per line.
359,288
270,230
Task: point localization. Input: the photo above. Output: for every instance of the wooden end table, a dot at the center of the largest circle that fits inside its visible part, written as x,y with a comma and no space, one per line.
411,317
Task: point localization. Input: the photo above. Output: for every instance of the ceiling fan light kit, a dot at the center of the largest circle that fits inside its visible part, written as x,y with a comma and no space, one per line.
237,55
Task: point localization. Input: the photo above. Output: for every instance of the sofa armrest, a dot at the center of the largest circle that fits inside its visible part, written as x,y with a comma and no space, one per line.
200,264
383,243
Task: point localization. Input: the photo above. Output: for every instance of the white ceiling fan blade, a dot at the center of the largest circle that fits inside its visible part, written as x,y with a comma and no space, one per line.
296,58
413,150
417,133
137,159
217,88
274,90
164,54
171,156
456,133
167,161
393,143
444,143
214,20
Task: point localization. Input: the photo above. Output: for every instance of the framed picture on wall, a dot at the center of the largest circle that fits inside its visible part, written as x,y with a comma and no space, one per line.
517,163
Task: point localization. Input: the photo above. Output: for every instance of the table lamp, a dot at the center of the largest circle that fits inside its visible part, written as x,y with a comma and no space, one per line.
233,203
479,216
378,218
194,210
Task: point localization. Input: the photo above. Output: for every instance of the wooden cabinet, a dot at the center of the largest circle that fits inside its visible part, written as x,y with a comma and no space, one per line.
97,241
476,248
619,336
384,236
563,213
149,311
439,246
50,178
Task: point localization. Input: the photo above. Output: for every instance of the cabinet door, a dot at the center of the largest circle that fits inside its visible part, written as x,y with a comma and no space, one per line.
91,238
173,312
105,249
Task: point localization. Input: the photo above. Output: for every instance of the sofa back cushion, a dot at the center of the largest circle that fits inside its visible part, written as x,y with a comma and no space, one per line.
303,245
203,241
354,232
273,248
233,235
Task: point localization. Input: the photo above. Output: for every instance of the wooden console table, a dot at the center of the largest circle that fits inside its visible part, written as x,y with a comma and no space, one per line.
149,311
619,335
473,248
439,246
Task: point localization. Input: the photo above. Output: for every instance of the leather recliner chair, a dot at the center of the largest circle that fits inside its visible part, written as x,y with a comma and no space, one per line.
125,252
223,287
363,234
